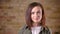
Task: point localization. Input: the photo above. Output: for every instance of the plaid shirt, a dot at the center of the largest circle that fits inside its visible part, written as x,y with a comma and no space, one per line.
26,30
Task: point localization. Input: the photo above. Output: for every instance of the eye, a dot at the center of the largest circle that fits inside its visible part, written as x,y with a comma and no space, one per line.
32,12
38,11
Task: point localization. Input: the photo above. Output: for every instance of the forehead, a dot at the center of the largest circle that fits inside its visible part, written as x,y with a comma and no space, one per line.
36,8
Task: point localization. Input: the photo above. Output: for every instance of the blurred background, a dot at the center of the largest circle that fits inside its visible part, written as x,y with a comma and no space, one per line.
12,15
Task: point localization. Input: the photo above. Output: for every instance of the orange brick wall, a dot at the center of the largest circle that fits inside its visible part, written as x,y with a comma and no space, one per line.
12,15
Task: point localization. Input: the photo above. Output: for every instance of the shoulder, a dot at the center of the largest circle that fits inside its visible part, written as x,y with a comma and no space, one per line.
22,29
46,30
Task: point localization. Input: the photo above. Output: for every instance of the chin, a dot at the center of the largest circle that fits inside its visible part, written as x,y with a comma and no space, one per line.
36,21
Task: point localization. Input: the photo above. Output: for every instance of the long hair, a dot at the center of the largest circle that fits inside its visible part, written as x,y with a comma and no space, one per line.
28,14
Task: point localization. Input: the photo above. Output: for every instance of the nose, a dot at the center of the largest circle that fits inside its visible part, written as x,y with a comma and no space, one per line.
36,14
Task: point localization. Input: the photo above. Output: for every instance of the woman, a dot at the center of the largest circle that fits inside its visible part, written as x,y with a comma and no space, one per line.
35,20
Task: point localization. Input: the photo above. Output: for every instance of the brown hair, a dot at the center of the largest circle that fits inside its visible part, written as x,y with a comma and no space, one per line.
28,14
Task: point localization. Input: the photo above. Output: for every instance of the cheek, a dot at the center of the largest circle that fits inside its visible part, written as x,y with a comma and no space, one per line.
40,17
32,17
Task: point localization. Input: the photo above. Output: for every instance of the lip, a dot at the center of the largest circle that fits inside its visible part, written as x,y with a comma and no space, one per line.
36,18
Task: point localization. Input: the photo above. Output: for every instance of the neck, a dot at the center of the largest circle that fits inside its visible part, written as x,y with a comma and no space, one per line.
35,24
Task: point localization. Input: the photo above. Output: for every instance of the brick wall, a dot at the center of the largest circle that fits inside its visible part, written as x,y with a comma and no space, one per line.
12,15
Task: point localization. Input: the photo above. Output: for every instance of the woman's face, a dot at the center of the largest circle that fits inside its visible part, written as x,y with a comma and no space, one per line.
36,14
